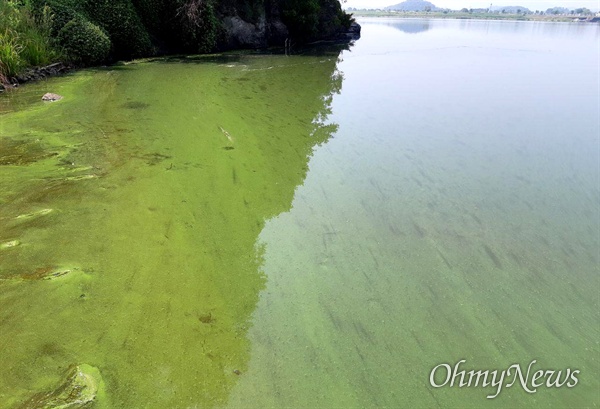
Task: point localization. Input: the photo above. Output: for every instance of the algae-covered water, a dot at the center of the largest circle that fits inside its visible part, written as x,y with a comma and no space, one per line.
318,230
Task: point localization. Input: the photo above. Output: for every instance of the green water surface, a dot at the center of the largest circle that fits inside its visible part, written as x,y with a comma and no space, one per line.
308,231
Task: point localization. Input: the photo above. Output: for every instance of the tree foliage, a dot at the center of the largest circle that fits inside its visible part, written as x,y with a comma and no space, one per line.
311,19
84,41
135,28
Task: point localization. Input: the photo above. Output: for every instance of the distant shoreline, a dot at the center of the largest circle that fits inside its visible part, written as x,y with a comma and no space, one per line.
475,16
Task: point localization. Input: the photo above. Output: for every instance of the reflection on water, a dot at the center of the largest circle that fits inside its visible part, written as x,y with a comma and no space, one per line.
453,215
244,232
503,27
410,26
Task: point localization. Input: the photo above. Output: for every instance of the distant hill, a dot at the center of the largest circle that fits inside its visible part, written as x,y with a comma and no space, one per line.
511,9
413,5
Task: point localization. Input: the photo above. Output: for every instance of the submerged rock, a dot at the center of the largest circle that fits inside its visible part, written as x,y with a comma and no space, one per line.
79,390
49,96
9,244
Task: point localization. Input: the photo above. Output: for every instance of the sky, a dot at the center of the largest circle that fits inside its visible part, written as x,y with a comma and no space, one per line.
533,5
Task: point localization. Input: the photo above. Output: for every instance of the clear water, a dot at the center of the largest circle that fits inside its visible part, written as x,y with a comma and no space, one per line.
317,230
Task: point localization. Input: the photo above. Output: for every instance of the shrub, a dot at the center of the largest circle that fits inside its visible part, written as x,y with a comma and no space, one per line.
332,18
152,15
311,19
247,10
118,18
301,17
84,42
199,25
62,12
121,21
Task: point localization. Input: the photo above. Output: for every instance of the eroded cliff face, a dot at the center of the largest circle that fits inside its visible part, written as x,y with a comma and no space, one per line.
243,34
251,24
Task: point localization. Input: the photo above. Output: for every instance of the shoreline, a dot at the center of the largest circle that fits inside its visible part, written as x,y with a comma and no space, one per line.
477,16
35,74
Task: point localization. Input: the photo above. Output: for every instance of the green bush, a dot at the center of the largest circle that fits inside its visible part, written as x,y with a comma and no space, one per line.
84,42
301,18
62,12
247,10
311,19
121,21
332,18
198,25
152,15
207,31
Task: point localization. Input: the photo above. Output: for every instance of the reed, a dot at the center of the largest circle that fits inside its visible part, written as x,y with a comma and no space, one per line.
25,39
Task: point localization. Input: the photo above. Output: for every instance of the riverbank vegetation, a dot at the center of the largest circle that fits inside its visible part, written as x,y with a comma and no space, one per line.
25,38
90,32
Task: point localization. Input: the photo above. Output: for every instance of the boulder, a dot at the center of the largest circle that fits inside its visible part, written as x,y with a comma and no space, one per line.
242,34
353,32
49,96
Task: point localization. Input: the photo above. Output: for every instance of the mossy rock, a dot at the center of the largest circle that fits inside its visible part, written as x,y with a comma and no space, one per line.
84,42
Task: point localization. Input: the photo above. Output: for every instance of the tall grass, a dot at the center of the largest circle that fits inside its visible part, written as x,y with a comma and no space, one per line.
24,38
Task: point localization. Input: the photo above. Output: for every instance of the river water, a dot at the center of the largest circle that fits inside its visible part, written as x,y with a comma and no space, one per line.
318,230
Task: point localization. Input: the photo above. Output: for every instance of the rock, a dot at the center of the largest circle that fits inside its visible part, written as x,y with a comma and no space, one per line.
36,74
9,244
78,391
242,34
278,32
51,97
353,32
